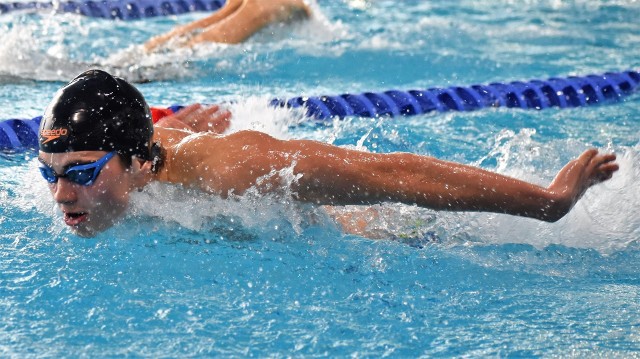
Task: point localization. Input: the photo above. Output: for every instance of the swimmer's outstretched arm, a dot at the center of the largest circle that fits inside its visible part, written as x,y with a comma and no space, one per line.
236,21
344,177
338,176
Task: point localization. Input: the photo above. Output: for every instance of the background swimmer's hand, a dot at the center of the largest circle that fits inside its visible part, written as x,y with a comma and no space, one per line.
157,41
576,177
198,118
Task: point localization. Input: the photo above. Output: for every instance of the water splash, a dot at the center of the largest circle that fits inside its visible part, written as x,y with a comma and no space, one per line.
23,58
255,214
606,218
254,113
43,46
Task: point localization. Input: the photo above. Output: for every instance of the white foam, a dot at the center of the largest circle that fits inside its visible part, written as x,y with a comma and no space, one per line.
21,56
255,113
254,210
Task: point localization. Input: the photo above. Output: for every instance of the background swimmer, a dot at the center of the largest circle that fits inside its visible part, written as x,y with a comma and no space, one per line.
236,21
111,149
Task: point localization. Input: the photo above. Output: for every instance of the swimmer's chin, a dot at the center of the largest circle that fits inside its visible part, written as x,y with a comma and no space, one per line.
87,230
84,233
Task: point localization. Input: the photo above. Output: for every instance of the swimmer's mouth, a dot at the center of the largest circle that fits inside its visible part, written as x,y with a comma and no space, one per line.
74,218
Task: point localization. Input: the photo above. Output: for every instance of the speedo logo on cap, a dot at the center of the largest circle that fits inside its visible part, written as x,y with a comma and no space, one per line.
50,135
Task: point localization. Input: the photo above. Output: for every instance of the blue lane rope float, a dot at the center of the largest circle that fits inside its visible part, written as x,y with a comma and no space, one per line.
118,9
572,91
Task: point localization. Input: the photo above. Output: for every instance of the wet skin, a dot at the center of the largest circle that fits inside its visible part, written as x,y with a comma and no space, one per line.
88,210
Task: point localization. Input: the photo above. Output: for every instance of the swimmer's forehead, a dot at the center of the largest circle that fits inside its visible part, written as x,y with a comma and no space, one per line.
66,158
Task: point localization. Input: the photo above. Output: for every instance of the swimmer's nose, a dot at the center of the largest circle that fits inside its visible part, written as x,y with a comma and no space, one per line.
64,191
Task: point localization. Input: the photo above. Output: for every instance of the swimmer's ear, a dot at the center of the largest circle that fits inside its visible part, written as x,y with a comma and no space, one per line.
141,173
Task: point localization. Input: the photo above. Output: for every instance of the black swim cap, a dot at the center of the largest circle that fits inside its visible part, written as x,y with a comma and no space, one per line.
97,112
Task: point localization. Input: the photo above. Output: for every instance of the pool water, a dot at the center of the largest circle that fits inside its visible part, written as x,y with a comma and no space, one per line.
190,275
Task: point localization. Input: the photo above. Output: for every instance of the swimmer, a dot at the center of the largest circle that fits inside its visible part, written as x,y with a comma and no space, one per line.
97,144
235,22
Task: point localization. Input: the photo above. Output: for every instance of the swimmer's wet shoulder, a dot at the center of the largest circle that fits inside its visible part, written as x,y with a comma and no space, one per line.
219,164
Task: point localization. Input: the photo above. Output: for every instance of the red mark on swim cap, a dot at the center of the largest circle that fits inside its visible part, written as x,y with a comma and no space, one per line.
51,135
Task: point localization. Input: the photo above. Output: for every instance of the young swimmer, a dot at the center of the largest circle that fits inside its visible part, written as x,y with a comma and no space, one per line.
236,21
97,144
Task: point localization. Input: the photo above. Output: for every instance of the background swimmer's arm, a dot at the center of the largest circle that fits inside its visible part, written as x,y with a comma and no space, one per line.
235,22
338,176
226,10
249,18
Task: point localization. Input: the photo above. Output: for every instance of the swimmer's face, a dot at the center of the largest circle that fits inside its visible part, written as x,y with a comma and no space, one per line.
88,210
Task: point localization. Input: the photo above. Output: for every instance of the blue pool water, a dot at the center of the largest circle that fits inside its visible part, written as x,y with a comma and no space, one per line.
190,275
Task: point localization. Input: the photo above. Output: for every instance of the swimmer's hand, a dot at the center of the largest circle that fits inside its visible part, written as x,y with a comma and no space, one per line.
198,118
576,177
157,41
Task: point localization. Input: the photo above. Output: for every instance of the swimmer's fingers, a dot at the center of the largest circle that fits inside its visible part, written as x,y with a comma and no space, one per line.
606,172
200,118
604,167
213,119
599,167
177,120
172,122
186,112
163,39
157,41
192,114
605,160
587,157
209,111
586,170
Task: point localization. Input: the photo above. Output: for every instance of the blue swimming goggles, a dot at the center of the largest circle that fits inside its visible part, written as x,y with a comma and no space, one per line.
81,174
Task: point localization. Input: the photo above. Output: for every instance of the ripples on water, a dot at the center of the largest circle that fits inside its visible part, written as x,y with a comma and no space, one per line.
197,275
